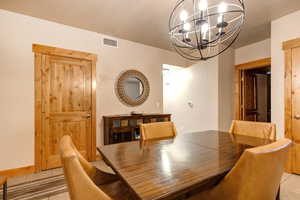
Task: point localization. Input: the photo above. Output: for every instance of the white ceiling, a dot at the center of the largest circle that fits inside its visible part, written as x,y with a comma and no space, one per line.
143,21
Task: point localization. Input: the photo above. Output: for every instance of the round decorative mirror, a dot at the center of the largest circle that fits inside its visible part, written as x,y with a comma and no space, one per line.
132,88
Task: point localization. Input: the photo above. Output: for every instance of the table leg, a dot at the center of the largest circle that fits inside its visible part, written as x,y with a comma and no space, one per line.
5,191
278,194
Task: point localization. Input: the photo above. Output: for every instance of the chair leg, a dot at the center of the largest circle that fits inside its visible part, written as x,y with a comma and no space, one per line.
278,194
5,191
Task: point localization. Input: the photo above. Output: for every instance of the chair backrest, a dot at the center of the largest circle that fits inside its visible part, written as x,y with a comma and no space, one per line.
256,175
78,173
3,180
158,130
255,129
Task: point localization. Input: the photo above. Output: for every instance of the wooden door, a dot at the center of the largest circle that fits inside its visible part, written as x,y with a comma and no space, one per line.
240,87
292,102
249,106
296,108
66,106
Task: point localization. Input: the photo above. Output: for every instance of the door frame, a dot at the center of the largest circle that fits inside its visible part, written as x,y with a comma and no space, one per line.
238,79
39,54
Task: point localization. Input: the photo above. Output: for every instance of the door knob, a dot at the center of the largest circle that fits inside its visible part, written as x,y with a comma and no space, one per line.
297,116
89,116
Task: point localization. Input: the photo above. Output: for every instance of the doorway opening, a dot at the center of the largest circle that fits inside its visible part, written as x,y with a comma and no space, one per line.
253,88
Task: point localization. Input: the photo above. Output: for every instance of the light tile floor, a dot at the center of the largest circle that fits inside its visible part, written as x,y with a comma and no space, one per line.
290,187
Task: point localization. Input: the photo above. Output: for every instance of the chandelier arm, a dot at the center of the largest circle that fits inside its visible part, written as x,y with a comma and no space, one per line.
209,15
226,47
242,3
237,27
240,8
179,2
183,43
186,56
213,27
231,33
197,39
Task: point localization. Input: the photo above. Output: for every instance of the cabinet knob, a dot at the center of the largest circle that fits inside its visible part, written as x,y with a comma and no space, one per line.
297,116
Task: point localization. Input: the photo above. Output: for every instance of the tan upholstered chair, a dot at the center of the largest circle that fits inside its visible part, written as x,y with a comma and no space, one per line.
158,130
84,180
256,175
255,129
3,183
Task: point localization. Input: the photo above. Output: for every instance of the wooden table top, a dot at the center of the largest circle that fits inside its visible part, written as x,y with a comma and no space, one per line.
166,169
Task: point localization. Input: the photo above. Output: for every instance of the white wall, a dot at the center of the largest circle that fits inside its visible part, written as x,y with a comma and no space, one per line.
226,89
197,84
252,52
283,29
19,32
208,86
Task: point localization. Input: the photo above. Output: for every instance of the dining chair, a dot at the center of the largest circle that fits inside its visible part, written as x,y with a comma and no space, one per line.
256,175
255,129
3,182
157,130
86,181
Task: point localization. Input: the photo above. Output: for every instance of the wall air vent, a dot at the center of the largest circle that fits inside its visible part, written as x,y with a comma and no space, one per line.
110,42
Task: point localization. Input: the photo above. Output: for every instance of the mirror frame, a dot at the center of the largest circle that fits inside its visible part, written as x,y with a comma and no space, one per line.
120,88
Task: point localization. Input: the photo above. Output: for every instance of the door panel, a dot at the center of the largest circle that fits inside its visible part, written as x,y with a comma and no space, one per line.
296,109
296,94
249,96
66,109
296,158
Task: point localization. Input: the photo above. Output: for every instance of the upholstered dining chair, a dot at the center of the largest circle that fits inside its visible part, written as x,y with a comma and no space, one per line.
3,183
157,130
86,181
256,175
255,129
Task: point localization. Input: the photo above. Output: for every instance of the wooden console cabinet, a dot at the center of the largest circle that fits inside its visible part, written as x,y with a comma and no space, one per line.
124,128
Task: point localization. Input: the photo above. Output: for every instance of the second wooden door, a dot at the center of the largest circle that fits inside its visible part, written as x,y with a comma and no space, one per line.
295,112
249,104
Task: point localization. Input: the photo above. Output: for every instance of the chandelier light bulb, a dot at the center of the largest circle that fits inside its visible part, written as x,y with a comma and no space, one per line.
204,28
187,26
203,5
183,15
220,19
222,7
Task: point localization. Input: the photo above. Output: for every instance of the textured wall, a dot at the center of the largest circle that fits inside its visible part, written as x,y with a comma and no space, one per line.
17,34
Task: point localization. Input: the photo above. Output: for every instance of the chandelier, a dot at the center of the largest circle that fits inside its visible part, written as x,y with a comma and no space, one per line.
199,31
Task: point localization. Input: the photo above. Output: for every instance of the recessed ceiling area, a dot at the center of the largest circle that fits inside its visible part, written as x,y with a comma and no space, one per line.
143,21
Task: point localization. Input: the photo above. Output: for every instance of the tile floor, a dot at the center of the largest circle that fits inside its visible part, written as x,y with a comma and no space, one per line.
290,185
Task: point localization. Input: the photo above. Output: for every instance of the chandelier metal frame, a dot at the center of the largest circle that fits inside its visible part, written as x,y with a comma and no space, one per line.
221,32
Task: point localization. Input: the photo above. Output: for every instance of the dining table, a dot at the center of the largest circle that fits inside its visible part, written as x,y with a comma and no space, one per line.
172,168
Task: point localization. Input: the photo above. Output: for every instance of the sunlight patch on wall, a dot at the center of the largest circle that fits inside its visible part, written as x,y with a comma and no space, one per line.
175,81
